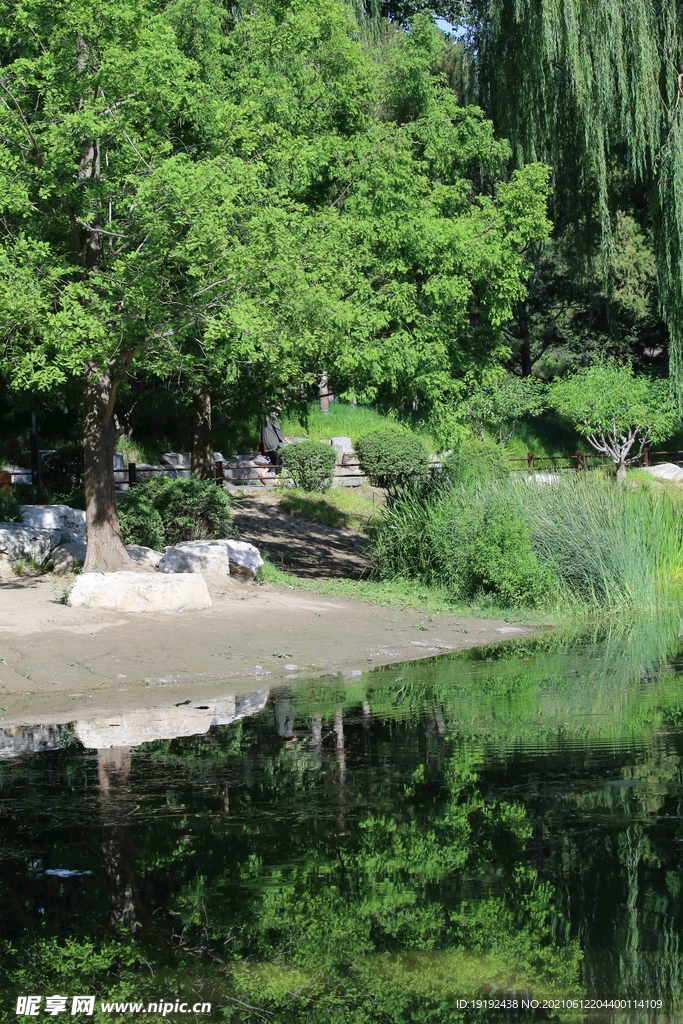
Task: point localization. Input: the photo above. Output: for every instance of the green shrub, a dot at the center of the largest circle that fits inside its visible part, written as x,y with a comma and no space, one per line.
10,511
389,457
477,461
27,494
139,520
190,509
501,561
310,464
579,542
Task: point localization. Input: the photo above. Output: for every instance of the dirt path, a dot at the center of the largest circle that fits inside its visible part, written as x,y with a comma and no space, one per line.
298,545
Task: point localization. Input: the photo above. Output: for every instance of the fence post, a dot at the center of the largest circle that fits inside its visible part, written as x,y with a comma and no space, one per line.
530,461
578,455
131,474
219,472
646,455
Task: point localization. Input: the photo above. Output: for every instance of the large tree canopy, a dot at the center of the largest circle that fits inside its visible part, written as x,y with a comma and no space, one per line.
194,195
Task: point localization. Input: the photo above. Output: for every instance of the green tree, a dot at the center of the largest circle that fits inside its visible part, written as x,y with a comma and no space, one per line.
618,412
263,194
499,406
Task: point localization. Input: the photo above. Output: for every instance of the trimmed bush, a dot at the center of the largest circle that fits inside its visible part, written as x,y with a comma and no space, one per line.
389,457
192,510
183,509
310,464
140,522
10,511
477,461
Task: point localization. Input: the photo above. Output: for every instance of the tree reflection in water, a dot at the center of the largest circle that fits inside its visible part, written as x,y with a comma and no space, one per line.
507,821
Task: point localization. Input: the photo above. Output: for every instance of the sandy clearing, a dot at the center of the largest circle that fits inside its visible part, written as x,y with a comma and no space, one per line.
60,663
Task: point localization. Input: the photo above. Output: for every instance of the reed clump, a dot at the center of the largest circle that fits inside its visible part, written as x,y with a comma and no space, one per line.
580,541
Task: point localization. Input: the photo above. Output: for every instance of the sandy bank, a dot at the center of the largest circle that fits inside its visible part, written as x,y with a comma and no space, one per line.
60,663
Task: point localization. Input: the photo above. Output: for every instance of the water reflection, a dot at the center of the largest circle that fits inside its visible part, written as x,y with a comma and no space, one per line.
506,821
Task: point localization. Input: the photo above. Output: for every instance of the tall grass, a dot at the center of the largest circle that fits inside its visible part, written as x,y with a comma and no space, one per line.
589,543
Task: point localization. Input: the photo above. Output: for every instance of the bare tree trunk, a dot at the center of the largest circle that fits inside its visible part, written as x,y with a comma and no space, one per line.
203,465
105,551
621,473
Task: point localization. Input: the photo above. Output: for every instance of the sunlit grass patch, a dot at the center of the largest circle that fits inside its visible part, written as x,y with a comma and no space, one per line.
340,507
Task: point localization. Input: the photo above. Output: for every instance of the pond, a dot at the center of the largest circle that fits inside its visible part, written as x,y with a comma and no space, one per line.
492,835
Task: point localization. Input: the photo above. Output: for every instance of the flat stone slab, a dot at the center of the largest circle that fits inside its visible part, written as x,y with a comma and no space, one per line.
140,592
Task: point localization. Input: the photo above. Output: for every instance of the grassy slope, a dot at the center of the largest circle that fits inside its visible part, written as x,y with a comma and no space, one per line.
343,421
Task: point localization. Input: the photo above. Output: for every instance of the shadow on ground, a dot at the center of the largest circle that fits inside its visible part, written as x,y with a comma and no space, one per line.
298,545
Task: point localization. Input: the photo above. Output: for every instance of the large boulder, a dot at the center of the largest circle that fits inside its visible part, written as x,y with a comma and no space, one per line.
665,471
66,557
140,592
70,521
178,460
144,556
245,559
236,557
196,556
21,542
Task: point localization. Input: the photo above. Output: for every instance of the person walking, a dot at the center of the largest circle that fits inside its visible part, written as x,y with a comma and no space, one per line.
272,437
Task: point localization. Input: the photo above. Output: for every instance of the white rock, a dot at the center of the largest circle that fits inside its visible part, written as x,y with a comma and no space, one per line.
71,521
144,556
140,592
342,446
245,559
66,556
543,478
196,556
18,541
179,460
665,471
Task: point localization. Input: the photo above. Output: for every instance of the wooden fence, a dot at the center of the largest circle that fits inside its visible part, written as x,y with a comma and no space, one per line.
586,460
134,473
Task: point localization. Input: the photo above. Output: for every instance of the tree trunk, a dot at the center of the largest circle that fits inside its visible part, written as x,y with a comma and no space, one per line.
203,465
105,551
621,473
113,773
522,317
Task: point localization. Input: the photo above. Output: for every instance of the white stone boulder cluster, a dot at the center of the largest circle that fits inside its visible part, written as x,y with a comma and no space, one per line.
235,557
51,535
54,536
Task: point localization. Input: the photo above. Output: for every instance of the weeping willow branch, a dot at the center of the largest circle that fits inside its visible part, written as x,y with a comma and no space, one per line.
584,85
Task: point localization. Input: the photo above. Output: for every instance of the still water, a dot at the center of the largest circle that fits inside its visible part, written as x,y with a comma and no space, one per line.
490,836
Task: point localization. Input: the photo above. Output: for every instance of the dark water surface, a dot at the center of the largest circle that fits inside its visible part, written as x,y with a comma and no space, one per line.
502,824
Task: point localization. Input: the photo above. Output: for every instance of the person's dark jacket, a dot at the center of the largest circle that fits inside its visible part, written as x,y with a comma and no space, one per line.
272,437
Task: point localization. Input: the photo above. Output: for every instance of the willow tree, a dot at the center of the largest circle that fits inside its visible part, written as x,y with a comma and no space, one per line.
595,89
